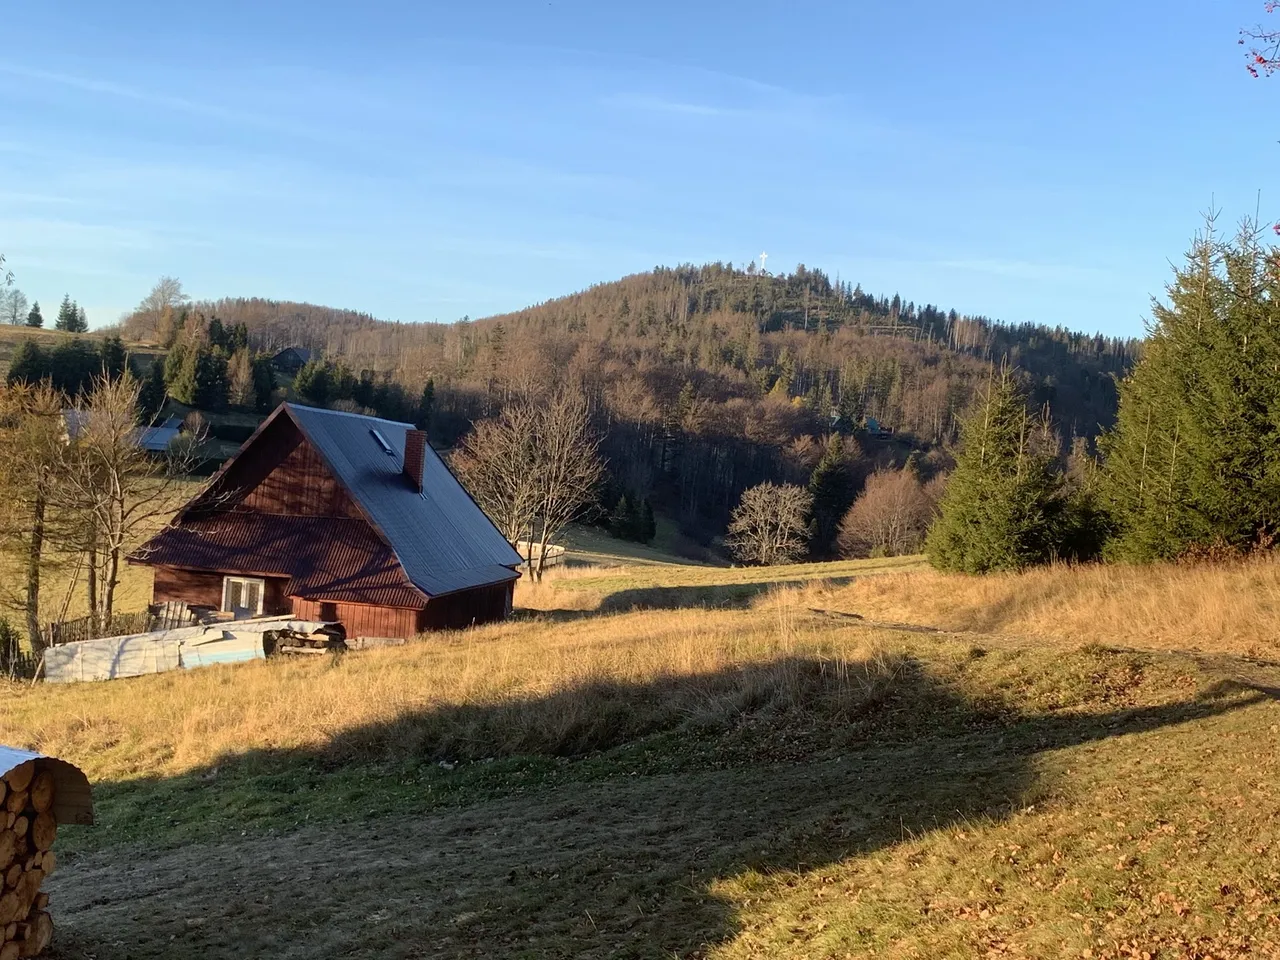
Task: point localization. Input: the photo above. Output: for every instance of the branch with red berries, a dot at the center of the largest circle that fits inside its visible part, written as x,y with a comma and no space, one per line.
1264,49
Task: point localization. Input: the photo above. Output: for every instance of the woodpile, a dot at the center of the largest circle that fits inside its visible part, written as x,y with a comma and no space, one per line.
26,858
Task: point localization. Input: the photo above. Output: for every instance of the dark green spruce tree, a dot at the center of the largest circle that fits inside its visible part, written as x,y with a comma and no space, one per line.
68,316
623,520
426,405
648,526
1194,458
1003,509
35,318
833,488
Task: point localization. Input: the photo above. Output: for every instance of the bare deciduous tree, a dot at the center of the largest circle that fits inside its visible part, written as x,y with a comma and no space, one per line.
165,298
890,517
533,469
240,385
771,524
32,441
119,491
13,306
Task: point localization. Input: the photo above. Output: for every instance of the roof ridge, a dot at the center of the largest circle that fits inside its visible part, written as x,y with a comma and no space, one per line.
346,413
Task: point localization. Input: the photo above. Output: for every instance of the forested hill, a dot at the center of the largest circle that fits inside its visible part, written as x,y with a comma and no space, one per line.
739,336
704,380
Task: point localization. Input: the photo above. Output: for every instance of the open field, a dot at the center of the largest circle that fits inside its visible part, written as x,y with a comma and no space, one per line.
11,336
772,775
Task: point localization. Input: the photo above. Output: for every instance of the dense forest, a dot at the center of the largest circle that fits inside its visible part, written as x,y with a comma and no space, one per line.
704,380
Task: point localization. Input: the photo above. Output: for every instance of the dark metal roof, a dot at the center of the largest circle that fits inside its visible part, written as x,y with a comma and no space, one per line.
326,558
302,353
444,541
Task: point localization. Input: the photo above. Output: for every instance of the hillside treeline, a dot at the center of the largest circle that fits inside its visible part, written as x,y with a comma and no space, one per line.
704,380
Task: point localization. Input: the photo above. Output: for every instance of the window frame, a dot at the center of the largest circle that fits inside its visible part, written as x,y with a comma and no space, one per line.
227,581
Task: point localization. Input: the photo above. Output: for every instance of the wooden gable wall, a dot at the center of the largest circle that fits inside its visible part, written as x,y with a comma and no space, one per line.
281,473
300,485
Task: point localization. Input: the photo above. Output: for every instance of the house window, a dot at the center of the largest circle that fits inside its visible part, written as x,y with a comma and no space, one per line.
243,595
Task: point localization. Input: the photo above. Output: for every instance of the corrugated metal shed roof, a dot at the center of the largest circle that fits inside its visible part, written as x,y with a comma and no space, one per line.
72,799
444,541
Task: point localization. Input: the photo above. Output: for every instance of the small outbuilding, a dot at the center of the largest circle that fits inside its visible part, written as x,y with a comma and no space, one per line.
332,516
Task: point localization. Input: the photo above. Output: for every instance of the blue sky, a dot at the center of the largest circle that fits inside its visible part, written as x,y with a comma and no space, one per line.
425,161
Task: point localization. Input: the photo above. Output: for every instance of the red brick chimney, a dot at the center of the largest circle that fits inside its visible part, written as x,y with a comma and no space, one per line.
415,455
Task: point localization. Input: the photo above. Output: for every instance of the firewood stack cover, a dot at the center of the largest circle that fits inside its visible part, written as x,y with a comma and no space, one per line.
35,794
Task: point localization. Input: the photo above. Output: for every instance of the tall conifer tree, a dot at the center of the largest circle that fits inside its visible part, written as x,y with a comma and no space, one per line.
1003,506
1194,458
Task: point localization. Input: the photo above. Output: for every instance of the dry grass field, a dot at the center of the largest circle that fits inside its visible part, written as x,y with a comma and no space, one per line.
653,760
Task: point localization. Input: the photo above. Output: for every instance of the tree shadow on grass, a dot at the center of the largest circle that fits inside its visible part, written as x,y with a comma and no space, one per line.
726,596
599,826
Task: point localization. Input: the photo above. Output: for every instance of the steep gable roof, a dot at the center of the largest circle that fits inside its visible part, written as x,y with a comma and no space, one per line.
441,538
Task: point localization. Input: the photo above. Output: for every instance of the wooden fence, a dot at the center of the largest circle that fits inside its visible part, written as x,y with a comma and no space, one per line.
22,666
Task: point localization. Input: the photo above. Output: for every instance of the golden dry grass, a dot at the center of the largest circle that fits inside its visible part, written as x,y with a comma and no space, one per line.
396,700
1224,609
745,768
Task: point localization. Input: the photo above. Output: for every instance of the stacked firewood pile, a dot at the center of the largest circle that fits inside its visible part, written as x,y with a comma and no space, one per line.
26,858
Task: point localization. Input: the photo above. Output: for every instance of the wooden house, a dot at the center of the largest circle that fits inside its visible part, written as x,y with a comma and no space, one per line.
291,359
335,516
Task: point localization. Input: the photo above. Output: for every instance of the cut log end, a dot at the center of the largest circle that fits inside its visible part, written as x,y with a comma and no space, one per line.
42,792
44,831
20,777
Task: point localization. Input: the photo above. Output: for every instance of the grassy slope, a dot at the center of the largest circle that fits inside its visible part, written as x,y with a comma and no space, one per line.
772,777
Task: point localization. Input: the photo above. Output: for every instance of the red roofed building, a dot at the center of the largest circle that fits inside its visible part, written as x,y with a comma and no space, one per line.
335,516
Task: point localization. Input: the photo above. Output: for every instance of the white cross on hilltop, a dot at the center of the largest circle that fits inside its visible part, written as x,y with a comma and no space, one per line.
763,258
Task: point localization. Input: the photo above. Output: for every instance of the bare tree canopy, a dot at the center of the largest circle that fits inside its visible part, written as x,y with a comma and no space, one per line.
890,517
118,491
165,297
771,524
13,306
533,469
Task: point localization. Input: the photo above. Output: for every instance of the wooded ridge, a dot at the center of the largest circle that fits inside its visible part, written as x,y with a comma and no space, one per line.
705,380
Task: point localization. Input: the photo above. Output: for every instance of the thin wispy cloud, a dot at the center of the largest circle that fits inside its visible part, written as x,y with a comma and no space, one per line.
633,101
199,108
122,91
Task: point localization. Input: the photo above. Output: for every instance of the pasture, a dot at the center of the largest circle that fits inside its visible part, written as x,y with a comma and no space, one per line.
657,760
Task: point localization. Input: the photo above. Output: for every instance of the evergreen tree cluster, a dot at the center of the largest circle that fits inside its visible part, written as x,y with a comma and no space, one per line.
211,365
1192,466
71,317
1193,463
70,365
833,485
326,383
629,521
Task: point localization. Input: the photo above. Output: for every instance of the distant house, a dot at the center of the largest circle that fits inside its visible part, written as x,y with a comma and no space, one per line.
290,360
335,516
153,439
156,439
877,429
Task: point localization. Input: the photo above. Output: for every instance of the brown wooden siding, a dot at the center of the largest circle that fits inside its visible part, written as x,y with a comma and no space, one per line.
301,485
467,608
360,620
200,589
